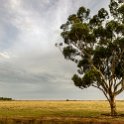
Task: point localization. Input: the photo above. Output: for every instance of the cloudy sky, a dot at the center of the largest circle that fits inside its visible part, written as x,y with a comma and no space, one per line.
31,67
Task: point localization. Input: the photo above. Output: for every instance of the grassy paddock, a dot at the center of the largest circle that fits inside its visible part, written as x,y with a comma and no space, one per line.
58,110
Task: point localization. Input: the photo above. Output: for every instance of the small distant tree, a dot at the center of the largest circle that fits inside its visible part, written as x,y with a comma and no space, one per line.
5,99
96,45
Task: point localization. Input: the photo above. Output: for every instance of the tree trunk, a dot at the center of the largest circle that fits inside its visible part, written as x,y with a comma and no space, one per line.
113,106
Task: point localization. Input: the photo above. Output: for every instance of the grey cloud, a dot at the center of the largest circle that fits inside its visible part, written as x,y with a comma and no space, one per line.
36,69
47,79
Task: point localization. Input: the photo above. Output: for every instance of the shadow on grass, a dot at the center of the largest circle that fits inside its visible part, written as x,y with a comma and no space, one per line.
109,115
48,122
103,119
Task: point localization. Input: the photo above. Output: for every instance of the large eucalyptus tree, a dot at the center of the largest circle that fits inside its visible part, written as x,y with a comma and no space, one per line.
96,45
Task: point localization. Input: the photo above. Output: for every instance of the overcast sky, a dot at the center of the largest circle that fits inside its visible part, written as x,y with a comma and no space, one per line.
31,67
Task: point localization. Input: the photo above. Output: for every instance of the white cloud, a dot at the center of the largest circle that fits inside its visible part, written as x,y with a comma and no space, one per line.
4,55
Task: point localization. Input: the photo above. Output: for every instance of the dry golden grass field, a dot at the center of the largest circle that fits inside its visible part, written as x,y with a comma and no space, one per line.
63,112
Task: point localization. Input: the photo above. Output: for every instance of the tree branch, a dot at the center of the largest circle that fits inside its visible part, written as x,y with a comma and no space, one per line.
105,86
104,92
121,89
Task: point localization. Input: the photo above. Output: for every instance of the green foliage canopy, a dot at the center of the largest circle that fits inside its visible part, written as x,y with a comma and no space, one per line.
96,45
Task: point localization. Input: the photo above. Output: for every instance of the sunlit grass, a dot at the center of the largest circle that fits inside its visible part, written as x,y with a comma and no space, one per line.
70,112
56,108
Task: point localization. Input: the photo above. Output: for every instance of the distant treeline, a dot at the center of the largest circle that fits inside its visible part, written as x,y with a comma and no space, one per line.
5,99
